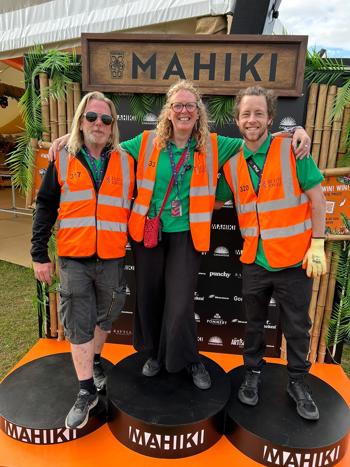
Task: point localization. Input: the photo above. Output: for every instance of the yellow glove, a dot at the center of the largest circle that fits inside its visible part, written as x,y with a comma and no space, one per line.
315,259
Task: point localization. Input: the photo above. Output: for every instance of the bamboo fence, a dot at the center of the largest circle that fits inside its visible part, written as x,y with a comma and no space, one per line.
328,144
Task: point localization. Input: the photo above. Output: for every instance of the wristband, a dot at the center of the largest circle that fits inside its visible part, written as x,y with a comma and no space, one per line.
291,130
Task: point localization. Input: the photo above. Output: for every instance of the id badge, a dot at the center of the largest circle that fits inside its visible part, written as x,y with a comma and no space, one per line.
176,208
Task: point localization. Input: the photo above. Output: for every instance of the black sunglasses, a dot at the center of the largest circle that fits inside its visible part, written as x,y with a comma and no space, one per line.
93,116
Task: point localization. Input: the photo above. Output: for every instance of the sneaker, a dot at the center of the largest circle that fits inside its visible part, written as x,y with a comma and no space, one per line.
99,377
151,368
248,392
301,394
79,413
200,375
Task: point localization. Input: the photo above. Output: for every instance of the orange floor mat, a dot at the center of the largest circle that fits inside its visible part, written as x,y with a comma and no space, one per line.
101,448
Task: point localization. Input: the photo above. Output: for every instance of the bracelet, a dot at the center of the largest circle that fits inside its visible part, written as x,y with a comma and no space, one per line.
291,130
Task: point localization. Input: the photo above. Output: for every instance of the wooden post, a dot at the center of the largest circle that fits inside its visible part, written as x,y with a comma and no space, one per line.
29,193
53,116
346,118
62,118
311,110
327,127
45,115
321,105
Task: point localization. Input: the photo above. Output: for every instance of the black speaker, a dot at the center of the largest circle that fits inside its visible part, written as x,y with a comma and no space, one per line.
250,16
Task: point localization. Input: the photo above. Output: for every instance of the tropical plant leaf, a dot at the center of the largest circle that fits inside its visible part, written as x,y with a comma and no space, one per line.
323,70
137,107
221,109
342,99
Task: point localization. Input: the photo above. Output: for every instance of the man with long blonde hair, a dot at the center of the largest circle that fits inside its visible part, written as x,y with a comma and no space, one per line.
89,189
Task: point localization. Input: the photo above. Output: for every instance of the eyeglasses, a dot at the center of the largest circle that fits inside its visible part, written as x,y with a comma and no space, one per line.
178,106
93,116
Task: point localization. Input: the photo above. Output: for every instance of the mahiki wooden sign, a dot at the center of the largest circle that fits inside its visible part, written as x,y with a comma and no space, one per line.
219,64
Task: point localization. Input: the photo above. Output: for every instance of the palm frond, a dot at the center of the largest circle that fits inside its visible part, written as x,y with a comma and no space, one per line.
21,161
323,70
137,107
221,109
342,99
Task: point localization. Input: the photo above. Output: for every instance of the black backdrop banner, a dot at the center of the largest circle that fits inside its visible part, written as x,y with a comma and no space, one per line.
218,298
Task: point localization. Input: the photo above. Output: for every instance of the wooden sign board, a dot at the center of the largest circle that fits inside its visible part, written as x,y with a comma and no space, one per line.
337,192
221,65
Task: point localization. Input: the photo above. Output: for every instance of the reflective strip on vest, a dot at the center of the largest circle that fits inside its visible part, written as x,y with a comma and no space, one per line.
140,209
81,195
126,174
284,232
199,191
249,232
76,222
144,183
210,168
288,202
108,200
200,217
112,226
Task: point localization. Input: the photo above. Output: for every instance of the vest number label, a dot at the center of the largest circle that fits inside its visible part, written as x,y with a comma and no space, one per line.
244,187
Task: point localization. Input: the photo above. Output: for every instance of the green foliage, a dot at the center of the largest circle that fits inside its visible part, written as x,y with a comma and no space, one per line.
221,109
323,70
142,104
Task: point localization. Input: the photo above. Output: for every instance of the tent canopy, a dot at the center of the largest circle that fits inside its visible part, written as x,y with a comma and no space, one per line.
59,23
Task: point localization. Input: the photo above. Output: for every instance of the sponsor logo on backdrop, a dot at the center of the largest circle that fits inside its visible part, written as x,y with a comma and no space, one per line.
272,302
228,204
238,321
129,267
202,273
284,458
200,339
197,317
126,312
217,320
269,325
127,290
219,274
221,251
128,246
126,118
215,340
237,342
166,442
223,226
217,297
236,298
238,252
149,119
287,122
198,297
122,332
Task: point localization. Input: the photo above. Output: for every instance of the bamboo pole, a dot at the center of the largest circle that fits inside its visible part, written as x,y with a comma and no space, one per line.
53,314
70,105
327,127
76,95
336,171
283,353
60,331
311,110
321,104
333,237
45,114
53,116
346,118
313,301
29,193
321,302
62,118
334,144
328,308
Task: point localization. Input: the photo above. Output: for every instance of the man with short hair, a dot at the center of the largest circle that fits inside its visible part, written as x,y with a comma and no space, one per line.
89,188
281,212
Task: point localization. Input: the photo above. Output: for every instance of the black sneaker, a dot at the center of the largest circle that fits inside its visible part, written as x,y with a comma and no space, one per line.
99,377
300,393
200,375
151,368
248,392
79,413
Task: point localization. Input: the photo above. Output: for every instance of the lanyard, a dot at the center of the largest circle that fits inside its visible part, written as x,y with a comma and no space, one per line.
257,169
178,177
98,172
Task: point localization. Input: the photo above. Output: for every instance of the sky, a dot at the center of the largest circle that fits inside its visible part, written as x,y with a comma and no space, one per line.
326,22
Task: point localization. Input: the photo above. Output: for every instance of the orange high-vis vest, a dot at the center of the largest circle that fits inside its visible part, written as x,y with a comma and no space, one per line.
202,190
280,214
94,223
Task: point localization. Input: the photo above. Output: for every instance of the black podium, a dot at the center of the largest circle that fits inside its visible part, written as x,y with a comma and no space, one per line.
36,397
165,415
272,433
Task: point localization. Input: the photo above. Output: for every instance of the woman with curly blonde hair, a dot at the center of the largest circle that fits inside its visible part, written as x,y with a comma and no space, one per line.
181,147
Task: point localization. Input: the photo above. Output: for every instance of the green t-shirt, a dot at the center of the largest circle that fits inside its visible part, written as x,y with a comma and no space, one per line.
227,147
308,176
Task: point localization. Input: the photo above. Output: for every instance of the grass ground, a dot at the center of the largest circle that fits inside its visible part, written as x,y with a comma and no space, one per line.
19,322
